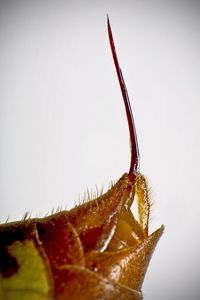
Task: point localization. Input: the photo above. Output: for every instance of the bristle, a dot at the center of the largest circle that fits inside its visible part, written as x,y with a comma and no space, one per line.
7,220
26,216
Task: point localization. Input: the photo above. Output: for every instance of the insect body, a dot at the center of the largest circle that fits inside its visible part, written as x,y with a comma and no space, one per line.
97,250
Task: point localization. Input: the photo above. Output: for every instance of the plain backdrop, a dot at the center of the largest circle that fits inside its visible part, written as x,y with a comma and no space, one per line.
63,128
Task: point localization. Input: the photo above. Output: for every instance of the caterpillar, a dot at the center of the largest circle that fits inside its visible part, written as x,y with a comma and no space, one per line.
97,250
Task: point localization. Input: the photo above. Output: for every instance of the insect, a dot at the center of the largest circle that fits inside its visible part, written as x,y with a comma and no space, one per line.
97,250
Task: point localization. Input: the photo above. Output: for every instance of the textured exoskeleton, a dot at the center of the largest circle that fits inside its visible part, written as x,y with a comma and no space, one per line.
97,250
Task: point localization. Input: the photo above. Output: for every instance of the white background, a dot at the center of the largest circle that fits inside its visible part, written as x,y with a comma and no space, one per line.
63,127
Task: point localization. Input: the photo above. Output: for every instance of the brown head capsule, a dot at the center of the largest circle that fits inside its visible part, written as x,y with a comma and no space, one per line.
97,250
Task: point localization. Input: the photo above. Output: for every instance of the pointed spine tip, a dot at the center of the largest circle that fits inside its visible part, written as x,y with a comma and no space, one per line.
134,164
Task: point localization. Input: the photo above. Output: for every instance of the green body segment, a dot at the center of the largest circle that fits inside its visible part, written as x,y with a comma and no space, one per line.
32,280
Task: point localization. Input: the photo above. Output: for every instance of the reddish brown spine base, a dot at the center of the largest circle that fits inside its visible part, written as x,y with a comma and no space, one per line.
73,242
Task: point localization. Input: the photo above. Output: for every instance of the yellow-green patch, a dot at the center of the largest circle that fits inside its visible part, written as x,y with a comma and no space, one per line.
33,280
